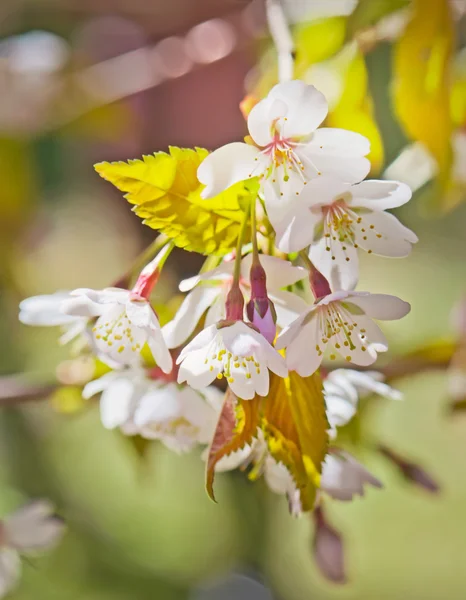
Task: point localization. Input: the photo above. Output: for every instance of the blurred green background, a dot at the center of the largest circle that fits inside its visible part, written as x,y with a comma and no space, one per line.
82,82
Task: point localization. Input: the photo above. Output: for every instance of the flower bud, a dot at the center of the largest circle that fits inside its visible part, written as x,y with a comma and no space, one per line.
411,471
234,305
328,549
260,309
319,285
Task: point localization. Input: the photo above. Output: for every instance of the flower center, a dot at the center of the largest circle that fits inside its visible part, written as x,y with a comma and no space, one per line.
337,327
343,227
114,333
229,365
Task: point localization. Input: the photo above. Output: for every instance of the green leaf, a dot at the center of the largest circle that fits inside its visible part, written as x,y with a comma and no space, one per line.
166,194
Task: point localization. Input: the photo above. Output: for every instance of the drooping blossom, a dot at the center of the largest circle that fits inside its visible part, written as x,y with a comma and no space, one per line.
45,311
125,323
286,148
235,351
31,529
344,387
342,324
208,292
178,416
343,477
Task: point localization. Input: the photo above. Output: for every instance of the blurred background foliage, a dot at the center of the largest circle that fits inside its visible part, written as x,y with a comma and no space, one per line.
94,80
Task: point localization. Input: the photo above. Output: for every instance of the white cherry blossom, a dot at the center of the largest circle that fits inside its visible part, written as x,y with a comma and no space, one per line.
336,219
288,149
344,387
208,292
178,416
126,321
45,311
237,352
354,217
343,477
29,530
341,322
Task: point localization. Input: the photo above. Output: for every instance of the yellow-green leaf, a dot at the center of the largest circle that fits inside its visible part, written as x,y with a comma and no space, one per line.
422,74
295,428
237,426
166,194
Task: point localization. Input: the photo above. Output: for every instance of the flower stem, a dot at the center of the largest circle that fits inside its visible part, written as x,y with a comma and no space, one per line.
239,246
141,260
281,36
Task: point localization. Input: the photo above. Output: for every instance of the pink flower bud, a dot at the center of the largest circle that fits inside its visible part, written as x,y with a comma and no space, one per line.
234,305
260,309
319,285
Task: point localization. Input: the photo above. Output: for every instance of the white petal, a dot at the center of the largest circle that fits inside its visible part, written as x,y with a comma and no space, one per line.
116,403
202,340
10,570
344,477
340,142
217,311
277,477
262,117
383,234
307,107
99,385
195,371
347,169
380,195
275,361
73,329
44,310
291,218
288,307
342,274
241,386
340,410
81,306
381,306
289,333
158,404
139,312
226,166
280,273
370,381
301,354
33,527
177,331
160,352
234,460
239,339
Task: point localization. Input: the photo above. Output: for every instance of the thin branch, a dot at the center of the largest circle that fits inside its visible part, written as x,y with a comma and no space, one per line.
16,389
281,36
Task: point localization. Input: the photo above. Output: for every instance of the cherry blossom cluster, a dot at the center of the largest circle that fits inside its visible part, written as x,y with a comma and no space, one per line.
249,316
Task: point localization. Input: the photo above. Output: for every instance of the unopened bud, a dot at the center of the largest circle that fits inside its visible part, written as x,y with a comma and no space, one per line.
260,309
150,274
319,285
411,471
328,549
234,305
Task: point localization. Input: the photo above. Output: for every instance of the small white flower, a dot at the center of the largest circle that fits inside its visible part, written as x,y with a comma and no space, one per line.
344,387
289,150
336,219
235,351
343,477
343,323
178,416
208,292
30,529
46,311
126,321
